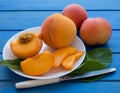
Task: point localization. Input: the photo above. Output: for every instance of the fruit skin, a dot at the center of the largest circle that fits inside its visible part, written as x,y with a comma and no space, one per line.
95,31
38,64
76,13
25,50
58,31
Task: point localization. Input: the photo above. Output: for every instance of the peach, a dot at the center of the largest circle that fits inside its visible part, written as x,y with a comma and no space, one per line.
58,31
76,13
95,31
26,45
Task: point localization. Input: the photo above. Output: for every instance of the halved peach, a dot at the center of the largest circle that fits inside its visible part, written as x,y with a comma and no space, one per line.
27,45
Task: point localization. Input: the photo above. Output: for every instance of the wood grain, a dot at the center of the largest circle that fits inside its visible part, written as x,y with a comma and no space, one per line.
58,5
26,19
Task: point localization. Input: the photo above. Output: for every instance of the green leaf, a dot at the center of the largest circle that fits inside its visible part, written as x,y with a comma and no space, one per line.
103,55
89,65
96,59
14,64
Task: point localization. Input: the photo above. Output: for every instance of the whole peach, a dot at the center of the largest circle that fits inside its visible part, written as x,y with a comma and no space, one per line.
76,13
58,31
95,31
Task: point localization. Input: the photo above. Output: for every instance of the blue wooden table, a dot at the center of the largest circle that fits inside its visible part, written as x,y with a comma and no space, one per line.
16,15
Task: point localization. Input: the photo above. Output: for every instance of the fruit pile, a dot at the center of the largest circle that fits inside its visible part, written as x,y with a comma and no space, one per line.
28,45
93,31
58,31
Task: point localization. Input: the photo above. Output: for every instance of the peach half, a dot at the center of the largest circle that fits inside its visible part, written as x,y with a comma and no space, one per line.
27,45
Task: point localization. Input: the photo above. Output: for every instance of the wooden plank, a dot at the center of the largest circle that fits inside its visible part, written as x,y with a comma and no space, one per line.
4,37
23,19
114,63
65,87
58,5
7,74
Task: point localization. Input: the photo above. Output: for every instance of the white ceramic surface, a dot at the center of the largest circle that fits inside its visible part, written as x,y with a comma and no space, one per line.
54,73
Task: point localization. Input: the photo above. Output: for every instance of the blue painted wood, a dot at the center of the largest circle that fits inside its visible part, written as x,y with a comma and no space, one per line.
58,5
23,19
4,37
8,75
65,87
21,14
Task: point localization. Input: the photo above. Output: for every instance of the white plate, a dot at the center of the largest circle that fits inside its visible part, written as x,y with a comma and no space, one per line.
54,73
